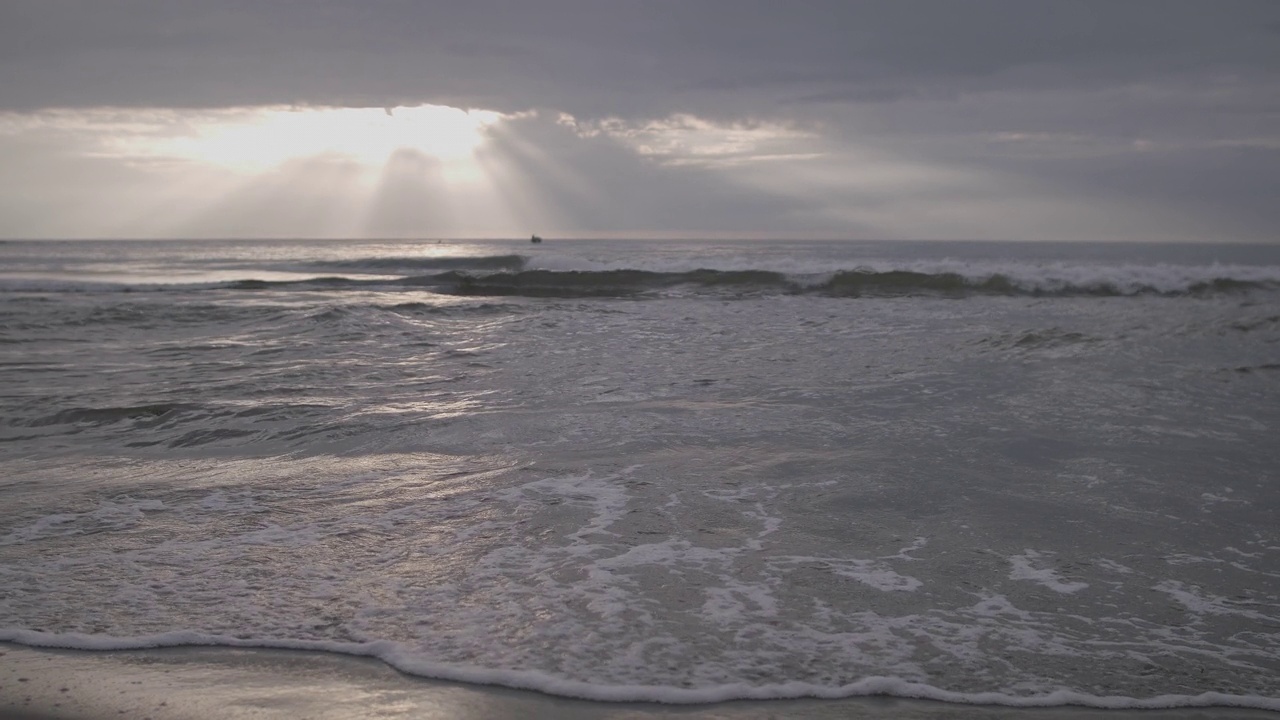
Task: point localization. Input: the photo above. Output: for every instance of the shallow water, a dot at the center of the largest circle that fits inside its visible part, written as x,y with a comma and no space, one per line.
1029,474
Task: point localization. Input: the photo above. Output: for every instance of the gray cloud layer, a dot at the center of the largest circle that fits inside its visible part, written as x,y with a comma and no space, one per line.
995,106
617,57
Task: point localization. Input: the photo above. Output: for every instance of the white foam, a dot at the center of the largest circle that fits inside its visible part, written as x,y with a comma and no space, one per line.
233,503
995,606
406,661
1023,569
1202,603
575,583
1188,559
1057,275
110,514
47,526
876,575
872,572
1113,566
1210,497
735,602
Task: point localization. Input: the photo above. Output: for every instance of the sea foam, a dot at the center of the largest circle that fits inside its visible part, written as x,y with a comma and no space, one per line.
409,663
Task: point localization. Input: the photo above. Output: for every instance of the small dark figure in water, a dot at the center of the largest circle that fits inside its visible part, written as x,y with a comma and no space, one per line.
535,239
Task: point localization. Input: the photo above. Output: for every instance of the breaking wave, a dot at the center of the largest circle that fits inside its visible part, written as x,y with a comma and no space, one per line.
406,265
847,284
521,276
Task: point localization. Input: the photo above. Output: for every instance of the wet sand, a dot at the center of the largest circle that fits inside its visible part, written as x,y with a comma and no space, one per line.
222,683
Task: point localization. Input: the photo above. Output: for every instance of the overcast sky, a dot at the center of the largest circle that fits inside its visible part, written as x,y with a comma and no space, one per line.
983,119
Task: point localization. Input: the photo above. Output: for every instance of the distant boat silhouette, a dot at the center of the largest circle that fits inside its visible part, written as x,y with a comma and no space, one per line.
535,239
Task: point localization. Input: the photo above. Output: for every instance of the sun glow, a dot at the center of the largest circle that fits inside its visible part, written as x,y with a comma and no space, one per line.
282,171
269,137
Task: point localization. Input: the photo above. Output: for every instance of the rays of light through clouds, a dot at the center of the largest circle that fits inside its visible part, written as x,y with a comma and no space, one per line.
277,170
433,171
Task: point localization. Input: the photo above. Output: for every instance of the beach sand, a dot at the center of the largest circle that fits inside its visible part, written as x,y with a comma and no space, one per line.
222,683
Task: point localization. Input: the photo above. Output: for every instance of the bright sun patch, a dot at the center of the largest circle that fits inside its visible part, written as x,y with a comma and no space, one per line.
368,135
253,139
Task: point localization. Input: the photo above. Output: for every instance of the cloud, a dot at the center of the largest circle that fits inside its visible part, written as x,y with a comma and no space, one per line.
684,139
596,59
881,118
141,172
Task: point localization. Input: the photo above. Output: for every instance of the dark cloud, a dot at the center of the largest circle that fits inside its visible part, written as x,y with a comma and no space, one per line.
599,58
1215,193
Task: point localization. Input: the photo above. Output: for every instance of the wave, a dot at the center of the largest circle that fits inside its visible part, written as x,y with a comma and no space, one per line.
176,426
606,283
520,275
1031,340
409,265
847,284
109,415
405,660
320,283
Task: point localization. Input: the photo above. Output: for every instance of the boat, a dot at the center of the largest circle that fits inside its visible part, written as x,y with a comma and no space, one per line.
535,239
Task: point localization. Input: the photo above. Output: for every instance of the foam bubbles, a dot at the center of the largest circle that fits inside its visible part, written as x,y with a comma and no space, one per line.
1023,568
117,514
1199,602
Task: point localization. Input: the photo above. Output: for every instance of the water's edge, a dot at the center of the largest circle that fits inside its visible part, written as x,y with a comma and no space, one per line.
870,687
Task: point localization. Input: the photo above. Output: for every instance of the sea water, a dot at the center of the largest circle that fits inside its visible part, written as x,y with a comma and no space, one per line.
1017,473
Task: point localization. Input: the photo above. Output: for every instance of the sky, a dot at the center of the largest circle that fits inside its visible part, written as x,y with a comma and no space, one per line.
1140,120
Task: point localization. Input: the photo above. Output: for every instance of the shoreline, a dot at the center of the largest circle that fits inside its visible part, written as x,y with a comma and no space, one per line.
232,683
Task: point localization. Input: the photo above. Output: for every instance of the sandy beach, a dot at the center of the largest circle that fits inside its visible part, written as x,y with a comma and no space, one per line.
220,683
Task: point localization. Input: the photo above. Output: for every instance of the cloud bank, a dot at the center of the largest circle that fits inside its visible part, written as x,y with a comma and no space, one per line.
1141,120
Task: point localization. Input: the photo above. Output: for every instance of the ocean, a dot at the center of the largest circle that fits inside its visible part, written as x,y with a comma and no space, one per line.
1008,473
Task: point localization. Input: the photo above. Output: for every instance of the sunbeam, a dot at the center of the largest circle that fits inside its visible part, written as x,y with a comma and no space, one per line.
317,196
412,198
272,171
526,184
